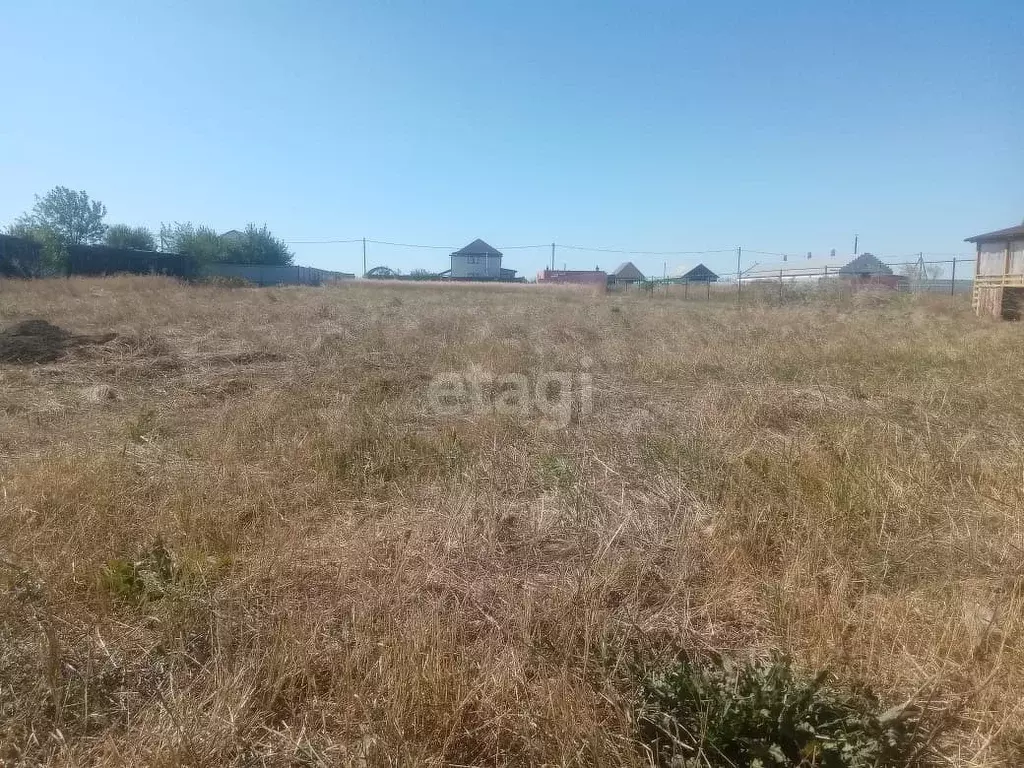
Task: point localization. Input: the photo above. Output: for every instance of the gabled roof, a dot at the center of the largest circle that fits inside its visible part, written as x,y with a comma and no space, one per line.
232,234
628,271
865,264
477,248
1010,233
690,271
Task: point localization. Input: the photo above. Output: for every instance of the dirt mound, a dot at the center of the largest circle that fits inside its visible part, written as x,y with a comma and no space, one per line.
38,341
33,341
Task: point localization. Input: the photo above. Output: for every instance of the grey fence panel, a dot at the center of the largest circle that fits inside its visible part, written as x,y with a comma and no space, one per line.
260,274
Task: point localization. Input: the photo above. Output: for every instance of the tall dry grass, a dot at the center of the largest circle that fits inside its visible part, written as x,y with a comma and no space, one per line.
237,534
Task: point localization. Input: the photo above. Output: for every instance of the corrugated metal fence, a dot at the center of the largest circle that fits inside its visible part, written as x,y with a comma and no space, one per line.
273,275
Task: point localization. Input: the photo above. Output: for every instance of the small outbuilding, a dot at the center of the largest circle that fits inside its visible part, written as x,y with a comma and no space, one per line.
594,277
626,273
867,269
999,273
865,266
697,274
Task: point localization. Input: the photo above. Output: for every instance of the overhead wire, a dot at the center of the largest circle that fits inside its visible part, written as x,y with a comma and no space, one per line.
323,242
596,249
641,253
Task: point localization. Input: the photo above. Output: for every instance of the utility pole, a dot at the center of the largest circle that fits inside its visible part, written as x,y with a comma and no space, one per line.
364,257
739,282
855,239
664,271
552,257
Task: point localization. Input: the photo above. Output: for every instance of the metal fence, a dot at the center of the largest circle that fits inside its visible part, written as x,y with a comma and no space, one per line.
793,281
259,274
103,260
20,257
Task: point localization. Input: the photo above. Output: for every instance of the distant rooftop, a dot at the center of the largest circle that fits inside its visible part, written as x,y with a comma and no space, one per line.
477,248
866,264
799,266
628,271
1010,233
692,270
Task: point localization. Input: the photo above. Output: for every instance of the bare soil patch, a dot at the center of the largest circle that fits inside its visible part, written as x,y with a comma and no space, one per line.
39,341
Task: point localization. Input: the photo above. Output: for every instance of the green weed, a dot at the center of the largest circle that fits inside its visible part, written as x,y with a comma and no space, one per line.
764,714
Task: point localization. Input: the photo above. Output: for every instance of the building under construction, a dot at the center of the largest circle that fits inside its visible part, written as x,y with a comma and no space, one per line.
999,273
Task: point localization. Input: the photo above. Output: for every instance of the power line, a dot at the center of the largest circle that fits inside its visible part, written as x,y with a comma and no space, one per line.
643,253
796,254
410,245
414,245
450,247
593,249
913,256
766,253
319,242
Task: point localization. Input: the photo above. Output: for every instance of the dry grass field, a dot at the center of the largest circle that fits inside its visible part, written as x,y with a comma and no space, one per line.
233,530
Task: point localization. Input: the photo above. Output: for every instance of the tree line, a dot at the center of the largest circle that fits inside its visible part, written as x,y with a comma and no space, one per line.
64,218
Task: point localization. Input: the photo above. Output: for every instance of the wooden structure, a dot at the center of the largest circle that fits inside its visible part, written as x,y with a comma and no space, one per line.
999,273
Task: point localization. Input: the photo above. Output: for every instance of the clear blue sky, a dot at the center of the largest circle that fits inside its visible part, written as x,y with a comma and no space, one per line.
658,126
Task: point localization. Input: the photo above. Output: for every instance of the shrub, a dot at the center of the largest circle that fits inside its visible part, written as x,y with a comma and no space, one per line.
126,237
200,243
256,245
763,714
144,578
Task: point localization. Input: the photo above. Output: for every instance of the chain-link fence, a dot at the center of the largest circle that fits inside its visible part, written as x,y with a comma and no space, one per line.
802,279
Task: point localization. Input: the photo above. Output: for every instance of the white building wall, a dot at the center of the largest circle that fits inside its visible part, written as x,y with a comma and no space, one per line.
476,266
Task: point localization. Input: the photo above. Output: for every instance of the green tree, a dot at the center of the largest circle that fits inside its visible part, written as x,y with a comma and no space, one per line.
71,217
133,238
53,255
198,241
60,218
257,246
